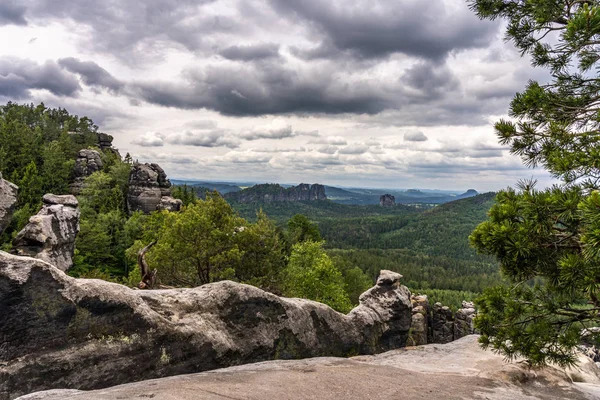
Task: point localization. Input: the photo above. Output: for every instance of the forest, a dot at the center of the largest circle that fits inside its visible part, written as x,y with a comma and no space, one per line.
321,250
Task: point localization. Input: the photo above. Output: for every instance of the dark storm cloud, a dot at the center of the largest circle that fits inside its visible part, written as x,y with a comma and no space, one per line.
428,29
12,13
18,77
91,73
251,52
128,28
270,89
429,79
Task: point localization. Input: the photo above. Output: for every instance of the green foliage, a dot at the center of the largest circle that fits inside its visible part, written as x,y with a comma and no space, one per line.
301,229
104,233
311,274
185,193
547,237
207,242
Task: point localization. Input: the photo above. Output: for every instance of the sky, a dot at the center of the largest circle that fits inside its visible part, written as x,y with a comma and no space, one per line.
367,93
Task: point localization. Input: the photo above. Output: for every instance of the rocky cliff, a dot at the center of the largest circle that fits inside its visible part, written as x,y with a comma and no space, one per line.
61,332
150,190
272,193
8,202
50,234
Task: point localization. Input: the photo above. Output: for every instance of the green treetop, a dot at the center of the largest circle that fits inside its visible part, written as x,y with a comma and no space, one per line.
547,241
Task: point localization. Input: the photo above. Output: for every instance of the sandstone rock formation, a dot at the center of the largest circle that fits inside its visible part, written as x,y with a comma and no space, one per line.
387,200
50,234
442,324
454,371
150,190
88,161
8,202
273,193
419,329
61,332
463,320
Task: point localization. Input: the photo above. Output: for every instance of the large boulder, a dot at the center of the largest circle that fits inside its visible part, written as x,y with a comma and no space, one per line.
149,189
50,234
8,202
60,332
88,161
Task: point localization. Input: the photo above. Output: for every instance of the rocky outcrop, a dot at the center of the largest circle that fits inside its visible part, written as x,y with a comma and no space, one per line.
454,371
60,332
387,200
50,234
419,328
8,202
273,193
442,324
463,320
87,162
150,190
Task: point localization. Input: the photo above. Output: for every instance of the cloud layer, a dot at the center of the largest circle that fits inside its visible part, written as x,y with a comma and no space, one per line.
342,90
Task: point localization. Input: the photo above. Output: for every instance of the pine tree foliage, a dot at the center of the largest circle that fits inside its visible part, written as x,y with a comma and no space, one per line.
547,241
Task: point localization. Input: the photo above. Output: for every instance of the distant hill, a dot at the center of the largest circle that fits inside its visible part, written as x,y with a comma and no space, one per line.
220,187
268,193
410,196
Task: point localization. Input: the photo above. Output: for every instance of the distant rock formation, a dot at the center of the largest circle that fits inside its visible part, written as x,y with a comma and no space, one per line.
88,161
150,190
8,202
387,200
273,193
50,234
62,332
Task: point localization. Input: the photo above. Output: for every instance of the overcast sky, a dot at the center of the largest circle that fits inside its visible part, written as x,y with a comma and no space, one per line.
368,93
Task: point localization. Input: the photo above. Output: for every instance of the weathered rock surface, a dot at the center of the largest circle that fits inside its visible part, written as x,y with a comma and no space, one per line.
169,203
50,234
463,320
8,202
61,332
387,200
454,371
273,193
442,324
148,185
88,161
419,329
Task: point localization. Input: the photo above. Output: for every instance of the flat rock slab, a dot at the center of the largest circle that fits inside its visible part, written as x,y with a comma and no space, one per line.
393,375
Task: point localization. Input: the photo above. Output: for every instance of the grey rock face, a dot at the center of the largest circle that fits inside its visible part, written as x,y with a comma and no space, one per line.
419,328
50,234
148,184
8,202
88,162
442,324
387,200
169,203
61,332
463,320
